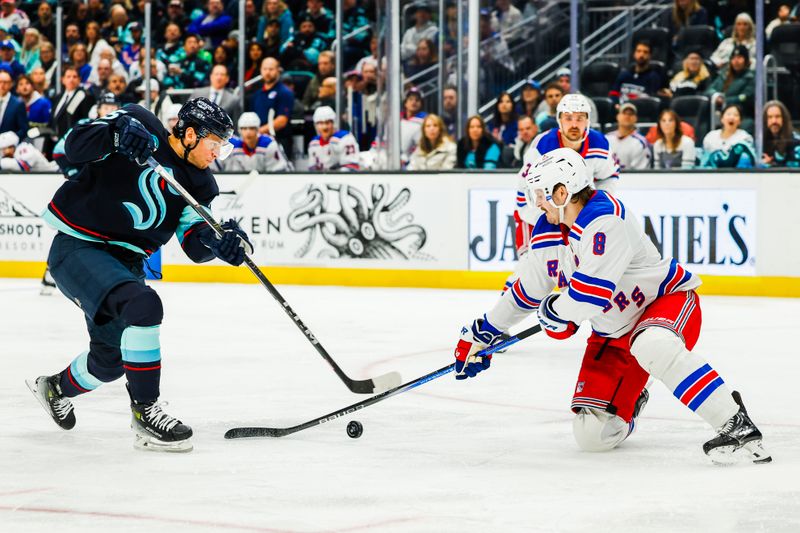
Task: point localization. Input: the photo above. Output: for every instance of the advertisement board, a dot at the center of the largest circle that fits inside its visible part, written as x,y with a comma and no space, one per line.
23,235
710,231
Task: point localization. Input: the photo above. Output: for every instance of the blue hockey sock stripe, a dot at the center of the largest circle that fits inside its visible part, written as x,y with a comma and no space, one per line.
140,346
79,372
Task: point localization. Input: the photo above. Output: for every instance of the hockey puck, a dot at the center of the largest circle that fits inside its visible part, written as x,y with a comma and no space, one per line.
354,429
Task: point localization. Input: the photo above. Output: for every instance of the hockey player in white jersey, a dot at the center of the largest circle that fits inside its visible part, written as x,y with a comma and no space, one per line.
253,150
22,156
643,310
331,149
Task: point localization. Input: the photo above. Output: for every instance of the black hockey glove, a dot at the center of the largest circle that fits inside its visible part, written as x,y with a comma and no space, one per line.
132,139
232,246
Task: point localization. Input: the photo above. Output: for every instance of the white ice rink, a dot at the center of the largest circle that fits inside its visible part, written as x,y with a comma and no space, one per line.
493,454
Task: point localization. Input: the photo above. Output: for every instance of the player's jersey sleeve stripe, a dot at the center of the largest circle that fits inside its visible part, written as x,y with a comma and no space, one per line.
522,299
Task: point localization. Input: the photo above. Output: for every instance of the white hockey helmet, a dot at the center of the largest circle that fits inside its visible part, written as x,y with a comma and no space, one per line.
324,114
561,166
574,103
8,138
249,120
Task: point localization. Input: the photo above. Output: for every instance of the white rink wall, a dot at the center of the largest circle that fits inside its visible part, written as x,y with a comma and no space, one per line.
450,229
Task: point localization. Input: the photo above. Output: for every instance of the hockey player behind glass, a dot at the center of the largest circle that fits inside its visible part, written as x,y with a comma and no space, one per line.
331,149
644,314
574,116
254,151
112,214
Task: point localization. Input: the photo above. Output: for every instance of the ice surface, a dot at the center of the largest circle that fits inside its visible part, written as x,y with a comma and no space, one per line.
493,454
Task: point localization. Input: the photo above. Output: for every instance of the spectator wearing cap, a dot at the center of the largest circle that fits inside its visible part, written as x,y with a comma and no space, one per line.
219,93
641,79
729,146
73,104
8,61
477,149
693,78
505,20
737,82
254,151
276,99
530,98
450,108
131,52
503,125
12,17
301,51
411,117
160,102
214,24
45,22
357,45
526,133
29,52
37,106
322,17
326,67
673,148
13,116
630,148
278,11
781,141
744,34
423,28
188,69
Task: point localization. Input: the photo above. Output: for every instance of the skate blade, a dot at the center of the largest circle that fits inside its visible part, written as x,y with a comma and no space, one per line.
750,452
151,444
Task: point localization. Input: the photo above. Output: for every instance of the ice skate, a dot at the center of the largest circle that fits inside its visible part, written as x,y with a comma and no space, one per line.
638,407
739,440
155,430
48,392
48,284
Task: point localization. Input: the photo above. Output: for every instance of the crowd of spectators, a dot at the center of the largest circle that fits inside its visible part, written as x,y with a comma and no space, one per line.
289,70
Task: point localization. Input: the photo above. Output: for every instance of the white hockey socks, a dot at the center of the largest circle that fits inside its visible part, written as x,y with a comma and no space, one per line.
690,378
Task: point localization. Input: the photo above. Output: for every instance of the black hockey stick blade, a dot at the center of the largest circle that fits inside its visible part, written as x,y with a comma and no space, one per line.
251,432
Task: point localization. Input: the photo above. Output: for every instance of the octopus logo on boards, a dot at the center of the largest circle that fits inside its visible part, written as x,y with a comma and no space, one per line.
353,225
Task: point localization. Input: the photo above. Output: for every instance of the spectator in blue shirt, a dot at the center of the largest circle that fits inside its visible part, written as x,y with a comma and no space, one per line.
477,149
38,107
274,95
8,61
214,25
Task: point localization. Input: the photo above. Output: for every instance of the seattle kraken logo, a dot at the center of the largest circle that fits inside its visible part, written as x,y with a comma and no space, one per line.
153,199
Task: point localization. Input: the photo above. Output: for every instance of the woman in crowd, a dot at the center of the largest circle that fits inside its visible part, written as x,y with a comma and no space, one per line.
79,58
737,83
744,34
95,43
503,125
435,151
685,13
477,149
729,146
275,10
672,149
424,58
693,79
29,53
255,53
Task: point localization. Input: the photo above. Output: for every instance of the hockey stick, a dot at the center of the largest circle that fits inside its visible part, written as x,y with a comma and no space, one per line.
360,386
249,432
271,126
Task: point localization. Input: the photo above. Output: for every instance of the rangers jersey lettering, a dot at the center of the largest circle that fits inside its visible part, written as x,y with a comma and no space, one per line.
595,151
264,157
607,269
340,152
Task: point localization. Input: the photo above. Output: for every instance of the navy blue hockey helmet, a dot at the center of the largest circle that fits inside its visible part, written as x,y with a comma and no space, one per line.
206,118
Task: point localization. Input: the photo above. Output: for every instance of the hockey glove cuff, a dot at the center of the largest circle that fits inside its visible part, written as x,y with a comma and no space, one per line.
232,246
474,339
132,139
553,325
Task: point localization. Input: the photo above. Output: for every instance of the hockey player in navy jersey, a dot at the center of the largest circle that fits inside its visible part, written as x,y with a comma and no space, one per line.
331,149
643,310
113,213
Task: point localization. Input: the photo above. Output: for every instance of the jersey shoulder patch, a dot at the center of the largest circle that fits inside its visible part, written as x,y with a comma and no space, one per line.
601,204
236,142
548,142
341,134
545,234
264,141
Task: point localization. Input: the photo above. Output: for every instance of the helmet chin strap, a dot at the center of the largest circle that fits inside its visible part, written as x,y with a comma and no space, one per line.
561,207
187,149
